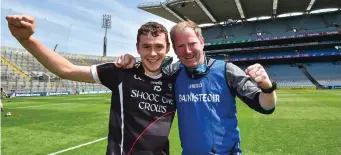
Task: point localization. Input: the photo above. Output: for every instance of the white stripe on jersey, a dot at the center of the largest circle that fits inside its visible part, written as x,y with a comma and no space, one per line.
122,115
94,74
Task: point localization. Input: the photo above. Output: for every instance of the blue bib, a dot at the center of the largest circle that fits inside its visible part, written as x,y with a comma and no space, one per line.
207,113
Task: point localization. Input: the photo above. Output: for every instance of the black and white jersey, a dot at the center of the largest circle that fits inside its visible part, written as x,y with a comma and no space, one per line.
142,110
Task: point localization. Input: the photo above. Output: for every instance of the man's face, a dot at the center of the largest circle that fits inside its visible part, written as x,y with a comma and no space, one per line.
152,51
189,48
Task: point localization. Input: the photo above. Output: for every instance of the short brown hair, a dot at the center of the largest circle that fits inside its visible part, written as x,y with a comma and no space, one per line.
154,28
185,24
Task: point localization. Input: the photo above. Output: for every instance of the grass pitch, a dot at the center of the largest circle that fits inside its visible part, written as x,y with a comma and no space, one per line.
305,122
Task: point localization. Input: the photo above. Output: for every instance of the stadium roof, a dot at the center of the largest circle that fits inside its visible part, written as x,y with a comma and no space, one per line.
217,11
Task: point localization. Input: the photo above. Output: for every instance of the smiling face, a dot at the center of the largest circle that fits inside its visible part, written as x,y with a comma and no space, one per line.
188,46
153,51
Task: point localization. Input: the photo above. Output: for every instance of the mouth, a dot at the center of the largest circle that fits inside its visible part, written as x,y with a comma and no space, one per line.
189,57
152,60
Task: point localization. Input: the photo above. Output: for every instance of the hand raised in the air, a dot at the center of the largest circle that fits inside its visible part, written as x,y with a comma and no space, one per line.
259,75
125,61
21,26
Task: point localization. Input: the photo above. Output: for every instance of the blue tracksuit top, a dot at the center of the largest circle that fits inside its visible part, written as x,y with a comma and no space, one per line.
207,113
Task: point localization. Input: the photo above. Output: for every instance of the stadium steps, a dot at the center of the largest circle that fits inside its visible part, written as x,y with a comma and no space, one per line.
51,85
19,71
16,69
84,62
308,75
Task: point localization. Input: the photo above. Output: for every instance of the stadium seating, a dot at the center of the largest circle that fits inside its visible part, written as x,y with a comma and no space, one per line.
285,73
326,73
273,28
312,52
19,73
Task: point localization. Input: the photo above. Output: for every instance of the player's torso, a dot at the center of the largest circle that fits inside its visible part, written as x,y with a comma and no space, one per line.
142,111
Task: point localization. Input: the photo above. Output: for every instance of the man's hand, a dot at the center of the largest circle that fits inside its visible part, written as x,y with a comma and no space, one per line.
126,61
21,26
259,75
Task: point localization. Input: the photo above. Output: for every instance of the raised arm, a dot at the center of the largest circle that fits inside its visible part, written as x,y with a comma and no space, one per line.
259,75
247,88
22,28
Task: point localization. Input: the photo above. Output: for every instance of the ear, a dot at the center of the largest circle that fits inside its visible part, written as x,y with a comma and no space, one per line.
137,48
173,46
202,40
176,53
168,48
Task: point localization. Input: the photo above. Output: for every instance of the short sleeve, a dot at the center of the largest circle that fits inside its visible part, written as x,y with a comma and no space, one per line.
107,74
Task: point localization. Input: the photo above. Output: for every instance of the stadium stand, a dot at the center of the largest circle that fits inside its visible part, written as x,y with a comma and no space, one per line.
326,73
273,28
22,73
298,42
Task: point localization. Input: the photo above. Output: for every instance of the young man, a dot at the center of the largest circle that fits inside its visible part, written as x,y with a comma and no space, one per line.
142,107
205,92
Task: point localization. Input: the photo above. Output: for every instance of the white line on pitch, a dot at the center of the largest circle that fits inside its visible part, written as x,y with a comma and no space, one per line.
78,146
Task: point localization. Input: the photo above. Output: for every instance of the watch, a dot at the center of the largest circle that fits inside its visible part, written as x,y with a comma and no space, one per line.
270,90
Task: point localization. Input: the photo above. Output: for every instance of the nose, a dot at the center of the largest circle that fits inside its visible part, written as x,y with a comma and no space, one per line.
153,53
187,50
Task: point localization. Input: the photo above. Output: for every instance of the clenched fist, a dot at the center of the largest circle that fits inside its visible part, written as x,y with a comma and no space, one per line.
259,75
21,26
126,61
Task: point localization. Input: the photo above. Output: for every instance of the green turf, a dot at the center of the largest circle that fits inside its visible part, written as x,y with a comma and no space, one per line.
305,122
